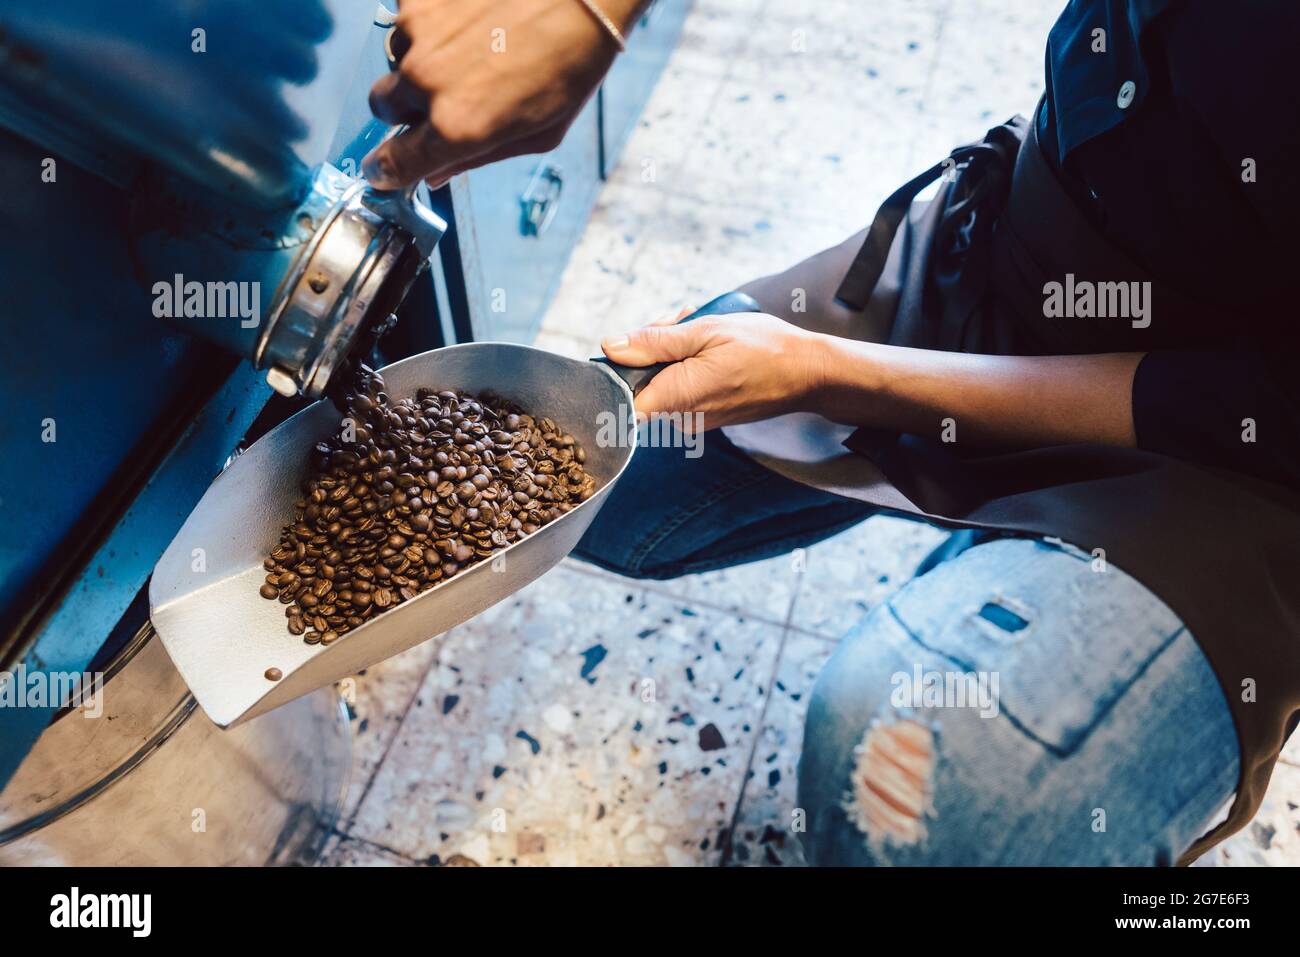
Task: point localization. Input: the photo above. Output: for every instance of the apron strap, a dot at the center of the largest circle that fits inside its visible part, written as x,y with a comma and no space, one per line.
860,281
864,273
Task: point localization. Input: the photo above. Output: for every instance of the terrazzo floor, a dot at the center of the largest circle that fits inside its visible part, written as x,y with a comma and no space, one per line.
596,720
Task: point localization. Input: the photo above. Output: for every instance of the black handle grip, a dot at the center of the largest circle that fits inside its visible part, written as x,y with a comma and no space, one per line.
638,377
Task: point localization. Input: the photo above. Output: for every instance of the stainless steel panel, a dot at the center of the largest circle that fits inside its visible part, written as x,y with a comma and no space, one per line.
525,215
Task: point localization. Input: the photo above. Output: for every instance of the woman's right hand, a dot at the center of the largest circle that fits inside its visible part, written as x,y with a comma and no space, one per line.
729,369
483,80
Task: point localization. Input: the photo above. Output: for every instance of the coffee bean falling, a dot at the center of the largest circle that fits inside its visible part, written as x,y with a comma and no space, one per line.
415,492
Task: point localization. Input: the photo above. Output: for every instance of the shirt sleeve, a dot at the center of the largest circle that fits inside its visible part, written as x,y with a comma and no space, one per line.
1234,408
1238,406
1227,63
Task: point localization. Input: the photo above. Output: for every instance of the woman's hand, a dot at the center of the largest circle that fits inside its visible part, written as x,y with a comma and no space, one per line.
731,369
747,367
483,80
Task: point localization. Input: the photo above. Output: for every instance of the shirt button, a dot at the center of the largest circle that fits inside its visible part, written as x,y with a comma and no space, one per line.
1126,94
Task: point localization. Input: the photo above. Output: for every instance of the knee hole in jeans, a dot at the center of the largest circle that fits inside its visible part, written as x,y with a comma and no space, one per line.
892,785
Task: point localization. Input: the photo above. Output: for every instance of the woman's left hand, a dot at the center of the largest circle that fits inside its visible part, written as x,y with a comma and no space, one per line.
730,369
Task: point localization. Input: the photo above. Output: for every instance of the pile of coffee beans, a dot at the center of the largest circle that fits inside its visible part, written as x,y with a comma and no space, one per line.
411,493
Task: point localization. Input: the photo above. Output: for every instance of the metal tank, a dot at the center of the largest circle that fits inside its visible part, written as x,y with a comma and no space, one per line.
155,152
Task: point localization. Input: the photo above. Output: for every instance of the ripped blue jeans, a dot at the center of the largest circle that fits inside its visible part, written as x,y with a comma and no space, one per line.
1017,703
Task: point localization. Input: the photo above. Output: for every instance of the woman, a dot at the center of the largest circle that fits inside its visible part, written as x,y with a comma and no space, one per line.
1080,353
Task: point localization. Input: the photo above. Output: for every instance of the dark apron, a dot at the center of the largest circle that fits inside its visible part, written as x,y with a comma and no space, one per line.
966,272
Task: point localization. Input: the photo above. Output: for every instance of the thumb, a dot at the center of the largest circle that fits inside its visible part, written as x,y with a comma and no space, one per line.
651,344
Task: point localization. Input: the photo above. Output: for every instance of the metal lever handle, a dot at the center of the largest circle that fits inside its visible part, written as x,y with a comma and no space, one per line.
638,377
403,208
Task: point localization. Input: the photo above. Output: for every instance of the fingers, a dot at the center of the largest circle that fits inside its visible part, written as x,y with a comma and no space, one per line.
405,158
668,392
645,346
466,106
423,153
395,99
542,141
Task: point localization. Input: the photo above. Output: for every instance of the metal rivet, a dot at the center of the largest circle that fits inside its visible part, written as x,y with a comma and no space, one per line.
1126,94
281,381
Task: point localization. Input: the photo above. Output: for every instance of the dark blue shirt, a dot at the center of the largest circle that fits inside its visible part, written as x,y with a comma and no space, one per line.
1177,129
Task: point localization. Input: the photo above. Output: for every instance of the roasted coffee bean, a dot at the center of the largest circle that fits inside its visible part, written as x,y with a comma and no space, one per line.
424,488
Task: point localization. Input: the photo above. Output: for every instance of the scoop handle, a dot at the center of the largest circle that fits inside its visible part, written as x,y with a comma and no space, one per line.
638,377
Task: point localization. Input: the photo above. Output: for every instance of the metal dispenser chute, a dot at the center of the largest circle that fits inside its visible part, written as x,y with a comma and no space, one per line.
345,258
215,120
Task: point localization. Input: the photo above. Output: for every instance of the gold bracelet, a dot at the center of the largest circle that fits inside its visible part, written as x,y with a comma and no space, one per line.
610,26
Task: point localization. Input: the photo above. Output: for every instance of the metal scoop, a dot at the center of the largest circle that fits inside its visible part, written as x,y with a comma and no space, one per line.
224,637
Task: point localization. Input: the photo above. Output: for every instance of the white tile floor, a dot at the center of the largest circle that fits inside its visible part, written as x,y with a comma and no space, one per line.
595,720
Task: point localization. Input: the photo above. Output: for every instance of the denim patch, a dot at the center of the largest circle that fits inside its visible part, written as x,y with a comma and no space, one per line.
1039,618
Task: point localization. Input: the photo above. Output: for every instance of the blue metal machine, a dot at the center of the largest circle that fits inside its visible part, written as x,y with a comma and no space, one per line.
184,236
182,195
